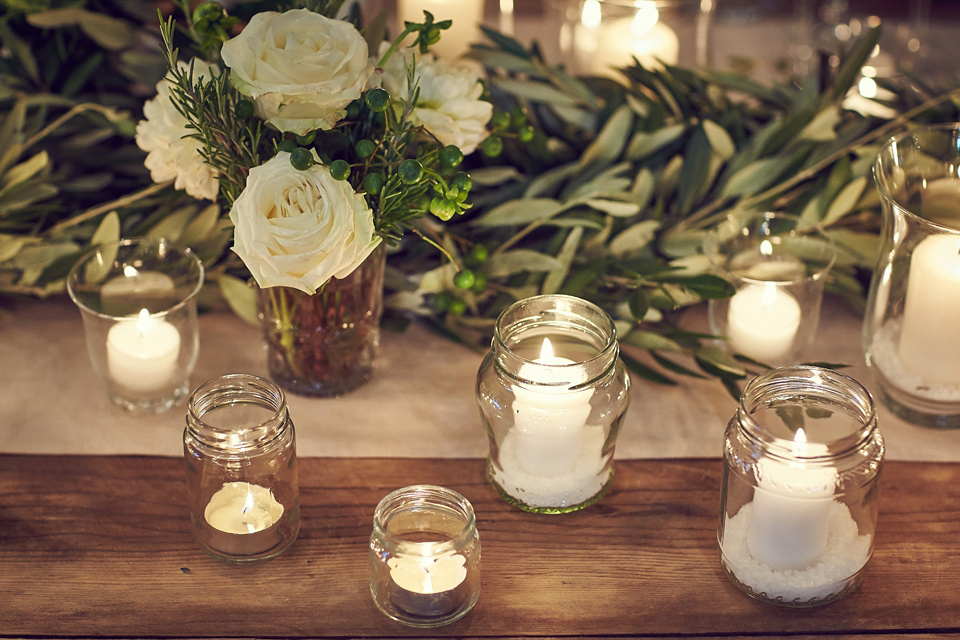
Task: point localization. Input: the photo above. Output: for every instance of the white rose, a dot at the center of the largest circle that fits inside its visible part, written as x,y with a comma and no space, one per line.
449,105
300,68
300,228
170,154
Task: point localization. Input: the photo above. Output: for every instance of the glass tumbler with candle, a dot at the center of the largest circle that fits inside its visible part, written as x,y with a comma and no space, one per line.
778,271
552,394
910,334
424,556
137,298
799,492
240,452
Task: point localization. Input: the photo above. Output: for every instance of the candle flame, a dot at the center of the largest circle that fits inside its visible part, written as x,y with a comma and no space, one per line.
592,14
248,502
546,350
144,322
766,248
247,507
769,296
800,443
646,17
130,271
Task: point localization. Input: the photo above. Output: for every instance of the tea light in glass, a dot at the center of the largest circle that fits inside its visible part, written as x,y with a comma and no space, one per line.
137,298
552,393
799,491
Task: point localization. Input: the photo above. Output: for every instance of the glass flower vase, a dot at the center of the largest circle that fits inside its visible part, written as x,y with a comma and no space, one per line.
324,344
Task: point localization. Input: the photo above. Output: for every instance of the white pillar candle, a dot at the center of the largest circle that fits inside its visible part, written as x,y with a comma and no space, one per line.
427,586
606,45
930,334
142,353
791,510
762,321
549,420
455,41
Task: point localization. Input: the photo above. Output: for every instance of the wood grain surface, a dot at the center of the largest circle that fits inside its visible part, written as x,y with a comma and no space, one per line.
101,546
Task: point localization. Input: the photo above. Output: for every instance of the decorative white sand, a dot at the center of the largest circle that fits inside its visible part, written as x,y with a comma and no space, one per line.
886,358
846,554
581,483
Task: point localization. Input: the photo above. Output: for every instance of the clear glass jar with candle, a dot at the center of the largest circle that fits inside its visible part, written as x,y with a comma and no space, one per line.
779,273
240,452
552,394
424,556
910,331
799,492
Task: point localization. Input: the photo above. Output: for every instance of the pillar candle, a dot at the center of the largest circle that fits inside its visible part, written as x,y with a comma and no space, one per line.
762,321
466,16
142,353
606,45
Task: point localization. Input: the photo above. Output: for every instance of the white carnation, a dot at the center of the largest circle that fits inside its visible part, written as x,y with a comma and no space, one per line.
449,104
300,68
300,228
170,154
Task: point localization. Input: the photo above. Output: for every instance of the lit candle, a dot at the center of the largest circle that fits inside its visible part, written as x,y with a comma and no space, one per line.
762,321
427,586
549,420
245,514
614,43
791,510
142,353
466,16
930,335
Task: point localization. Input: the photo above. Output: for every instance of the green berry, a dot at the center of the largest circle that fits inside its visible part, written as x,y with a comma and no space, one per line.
492,146
306,139
451,156
301,159
442,208
479,283
442,300
340,169
243,109
373,182
464,279
462,182
353,110
287,145
365,148
518,117
525,133
410,171
377,99
457,307
499,120
479,253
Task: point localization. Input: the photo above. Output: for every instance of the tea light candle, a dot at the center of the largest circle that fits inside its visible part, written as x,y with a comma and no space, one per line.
762,321
142,352
608,45
244,514
929,338
455,41
549,420
427,586
791,510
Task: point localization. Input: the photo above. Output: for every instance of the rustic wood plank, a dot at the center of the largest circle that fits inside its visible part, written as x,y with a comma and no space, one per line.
94,546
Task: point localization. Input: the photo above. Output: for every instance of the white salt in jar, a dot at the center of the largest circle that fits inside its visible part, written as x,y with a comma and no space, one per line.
799,493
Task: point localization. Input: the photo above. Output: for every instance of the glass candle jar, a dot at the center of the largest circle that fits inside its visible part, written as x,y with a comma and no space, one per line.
240,452
552,394
799,492
424,556
779,273
910,331
137,298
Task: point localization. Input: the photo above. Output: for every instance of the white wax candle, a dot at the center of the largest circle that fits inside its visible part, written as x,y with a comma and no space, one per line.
762,321
791,510
604,46
242,508
466,16
427,586
930,335
142,353
549,420
136,283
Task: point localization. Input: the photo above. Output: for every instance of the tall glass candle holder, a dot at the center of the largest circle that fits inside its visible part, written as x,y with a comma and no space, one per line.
910,334
424,556
240,452
799,492
137,298
552,394
779,273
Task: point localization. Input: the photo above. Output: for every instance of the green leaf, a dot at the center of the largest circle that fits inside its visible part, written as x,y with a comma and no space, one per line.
609,143
615,208
21,51
25,170
81,74
755,177
634,238
643,371
646,144
536,91
638,304
693,174
642,187
547,182
670,365
518,212
10,246
651,340
855,59
554,279
505,42
823,126
718,362
720,140
107,231
705,285
493,176
110,33
241,298
508,263
201,226
845,201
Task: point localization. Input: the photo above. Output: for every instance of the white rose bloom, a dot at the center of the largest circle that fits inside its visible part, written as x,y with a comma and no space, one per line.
171,155
300,68
300,228
449,105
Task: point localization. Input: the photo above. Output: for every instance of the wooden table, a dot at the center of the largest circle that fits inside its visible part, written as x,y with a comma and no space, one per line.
101,546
